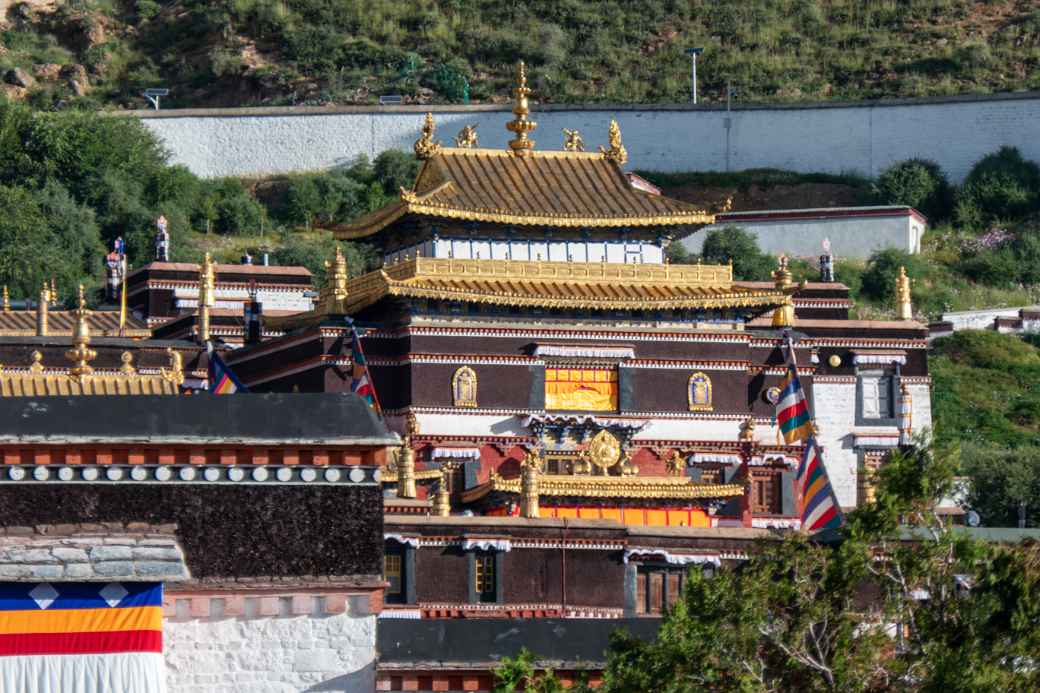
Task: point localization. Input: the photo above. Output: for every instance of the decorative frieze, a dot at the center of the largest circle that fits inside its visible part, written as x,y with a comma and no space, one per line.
191,473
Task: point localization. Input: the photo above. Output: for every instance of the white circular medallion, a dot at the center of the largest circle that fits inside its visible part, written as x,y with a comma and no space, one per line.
66,473
332,474
260,474
138,473
89,474
357,475
163,473
284,474
211,474
114,473
236,474
308,474
376,476
187,473
41,473
16,473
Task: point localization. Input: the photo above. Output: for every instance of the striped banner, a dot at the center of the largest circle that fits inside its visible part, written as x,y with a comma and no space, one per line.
81,637
820,509
792,409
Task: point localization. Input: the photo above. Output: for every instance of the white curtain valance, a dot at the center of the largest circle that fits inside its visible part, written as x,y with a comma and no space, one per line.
675,558
455,454
401,539
588,352
487,544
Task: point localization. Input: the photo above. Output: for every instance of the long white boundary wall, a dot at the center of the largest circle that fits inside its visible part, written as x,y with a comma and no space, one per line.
859,137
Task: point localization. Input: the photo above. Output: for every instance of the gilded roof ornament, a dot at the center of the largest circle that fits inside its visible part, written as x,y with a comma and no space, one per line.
904,308
572,141
41,311
425,147
7,300
617,152
176,373
747,430
520,125
81,354
127,367
336,286
37,363
467,137
783,315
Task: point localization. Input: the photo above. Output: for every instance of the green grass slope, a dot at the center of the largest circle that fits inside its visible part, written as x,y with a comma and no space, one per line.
254,52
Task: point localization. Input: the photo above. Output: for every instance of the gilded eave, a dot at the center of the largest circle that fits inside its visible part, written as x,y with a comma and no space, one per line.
556,189
619,487
29,384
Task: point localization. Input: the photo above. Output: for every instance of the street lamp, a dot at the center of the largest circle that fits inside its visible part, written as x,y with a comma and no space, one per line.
693,53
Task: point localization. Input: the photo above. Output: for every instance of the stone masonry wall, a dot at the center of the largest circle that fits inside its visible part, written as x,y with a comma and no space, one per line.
270,644
863,137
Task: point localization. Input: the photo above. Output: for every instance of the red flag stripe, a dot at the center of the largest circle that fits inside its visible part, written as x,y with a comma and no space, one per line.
81,643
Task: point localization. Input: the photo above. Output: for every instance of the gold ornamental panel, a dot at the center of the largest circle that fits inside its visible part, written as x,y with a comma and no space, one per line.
604,450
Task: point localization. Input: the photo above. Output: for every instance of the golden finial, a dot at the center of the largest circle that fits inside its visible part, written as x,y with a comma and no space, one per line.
425,147
520,125
442,499
336,282
54,290
530,471
128,364
572,141
37,362
781,275
176,373
81,354
467,137
41,311
207,284
904,308
617,152
7,300
411,425
783,315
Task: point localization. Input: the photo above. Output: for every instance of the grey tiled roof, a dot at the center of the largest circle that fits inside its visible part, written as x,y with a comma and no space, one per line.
85,553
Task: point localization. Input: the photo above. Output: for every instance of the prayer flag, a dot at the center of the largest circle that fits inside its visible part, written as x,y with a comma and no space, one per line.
820,508
361,381
221,380
792,409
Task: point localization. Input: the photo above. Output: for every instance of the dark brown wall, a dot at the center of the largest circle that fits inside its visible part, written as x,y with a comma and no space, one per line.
441,575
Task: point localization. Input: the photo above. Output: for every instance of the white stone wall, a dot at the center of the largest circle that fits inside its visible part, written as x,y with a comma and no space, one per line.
834,405
979,319
270,654
850,237
862,138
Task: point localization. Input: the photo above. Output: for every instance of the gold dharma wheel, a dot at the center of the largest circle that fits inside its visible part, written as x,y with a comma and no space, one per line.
604,450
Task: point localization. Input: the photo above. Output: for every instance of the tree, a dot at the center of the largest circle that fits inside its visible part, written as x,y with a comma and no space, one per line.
1002,478
879,279
1002,185
919,183
732,243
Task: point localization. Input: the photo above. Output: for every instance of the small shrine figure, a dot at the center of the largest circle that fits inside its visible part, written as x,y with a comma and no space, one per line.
162,240
617,152
675,464
467,137
572,141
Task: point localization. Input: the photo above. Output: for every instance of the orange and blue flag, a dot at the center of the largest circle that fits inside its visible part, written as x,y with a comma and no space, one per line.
105,636
221,380
820,509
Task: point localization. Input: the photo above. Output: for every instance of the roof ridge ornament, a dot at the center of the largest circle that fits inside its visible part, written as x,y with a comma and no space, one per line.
572,141
426,147
520,125
81,354
467,137
617,152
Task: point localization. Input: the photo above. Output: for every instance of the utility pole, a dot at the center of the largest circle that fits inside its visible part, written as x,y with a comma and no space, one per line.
693,53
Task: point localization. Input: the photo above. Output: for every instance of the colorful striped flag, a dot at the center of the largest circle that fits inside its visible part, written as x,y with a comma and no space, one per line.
820,508
221,380
81,636
361,380
792,410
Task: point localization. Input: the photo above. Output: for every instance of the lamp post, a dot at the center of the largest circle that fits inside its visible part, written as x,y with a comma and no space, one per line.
693,53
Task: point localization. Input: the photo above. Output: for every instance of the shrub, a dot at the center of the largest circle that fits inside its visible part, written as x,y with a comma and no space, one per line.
395,169
879,279
233,209
918,183
1002,185
732,243
992,267
985,349
450,82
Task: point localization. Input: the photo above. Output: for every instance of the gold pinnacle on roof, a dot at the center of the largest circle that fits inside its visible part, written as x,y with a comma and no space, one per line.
207,279
81,354
783,315
426,146
7,300
336,283
530,470
41,310
904,309
617,152
520,125
442,499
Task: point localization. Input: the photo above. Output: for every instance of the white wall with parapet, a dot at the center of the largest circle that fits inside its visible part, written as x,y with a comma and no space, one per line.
862,137
834,405
979,319
285,652
850,237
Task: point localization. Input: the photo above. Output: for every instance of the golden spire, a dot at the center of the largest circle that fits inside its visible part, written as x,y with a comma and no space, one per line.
426,146
336,281
41,310
617,152
54,290
7,300
442,499
81,354
530,471
904,309
520,125
783,315
207,280
406,460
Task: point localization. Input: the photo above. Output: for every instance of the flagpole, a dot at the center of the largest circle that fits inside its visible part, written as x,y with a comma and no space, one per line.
122,299
371,381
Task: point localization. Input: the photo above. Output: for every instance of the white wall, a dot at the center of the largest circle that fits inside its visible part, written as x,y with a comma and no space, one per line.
850,237
273,654
864,138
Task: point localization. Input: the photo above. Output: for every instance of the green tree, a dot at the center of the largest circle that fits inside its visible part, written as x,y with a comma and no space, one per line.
1002,478
1001,186
879,279
732,243
919,183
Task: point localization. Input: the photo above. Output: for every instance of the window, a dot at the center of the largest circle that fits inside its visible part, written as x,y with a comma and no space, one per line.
657,589
765,494
581,389
392,571
484,576
876,395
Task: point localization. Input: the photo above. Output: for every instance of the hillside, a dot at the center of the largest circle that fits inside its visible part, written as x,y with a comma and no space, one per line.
273,52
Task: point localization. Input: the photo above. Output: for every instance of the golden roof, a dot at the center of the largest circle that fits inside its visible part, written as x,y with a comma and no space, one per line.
28,384
642,487
573,285
61,323
542,188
